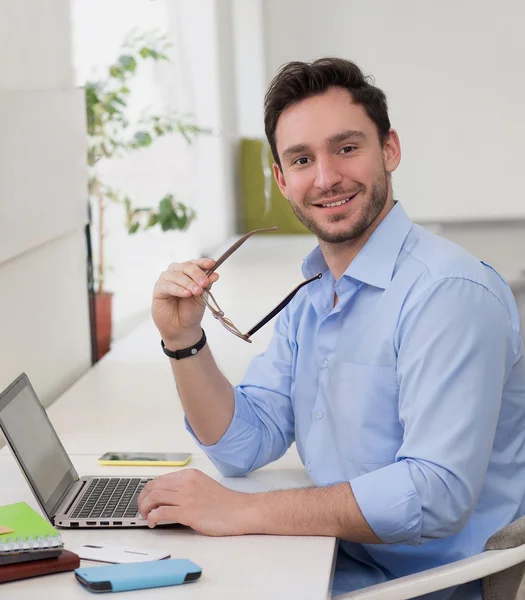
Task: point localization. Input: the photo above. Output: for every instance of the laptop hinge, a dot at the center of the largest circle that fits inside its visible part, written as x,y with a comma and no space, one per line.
68,498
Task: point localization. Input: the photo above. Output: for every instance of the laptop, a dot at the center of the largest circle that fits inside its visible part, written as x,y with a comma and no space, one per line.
67,499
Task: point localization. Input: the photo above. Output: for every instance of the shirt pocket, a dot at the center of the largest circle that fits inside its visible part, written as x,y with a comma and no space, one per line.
365,413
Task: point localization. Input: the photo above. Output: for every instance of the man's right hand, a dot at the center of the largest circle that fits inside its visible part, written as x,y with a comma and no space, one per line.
175,309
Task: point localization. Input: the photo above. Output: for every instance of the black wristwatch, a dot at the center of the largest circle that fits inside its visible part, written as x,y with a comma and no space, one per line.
185,352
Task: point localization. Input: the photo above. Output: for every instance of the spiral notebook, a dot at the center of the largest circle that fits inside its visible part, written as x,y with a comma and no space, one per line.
26,532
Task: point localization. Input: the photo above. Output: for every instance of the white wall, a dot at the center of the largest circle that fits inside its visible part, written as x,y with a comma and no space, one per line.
44,316
205,41
453,73
196,82
41,179
249,66
44,322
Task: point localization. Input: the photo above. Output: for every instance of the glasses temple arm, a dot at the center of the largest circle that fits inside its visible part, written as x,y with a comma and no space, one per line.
280,306
235,246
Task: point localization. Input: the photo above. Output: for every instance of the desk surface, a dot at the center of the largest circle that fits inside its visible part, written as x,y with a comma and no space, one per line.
255,567
128,401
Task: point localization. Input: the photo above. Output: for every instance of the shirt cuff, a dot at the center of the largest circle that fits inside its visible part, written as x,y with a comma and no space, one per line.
229,453
390,503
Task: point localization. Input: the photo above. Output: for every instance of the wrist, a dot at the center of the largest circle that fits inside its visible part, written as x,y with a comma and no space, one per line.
249,512
183,340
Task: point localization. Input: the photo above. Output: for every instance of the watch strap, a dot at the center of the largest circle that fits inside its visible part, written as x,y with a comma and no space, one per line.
185,352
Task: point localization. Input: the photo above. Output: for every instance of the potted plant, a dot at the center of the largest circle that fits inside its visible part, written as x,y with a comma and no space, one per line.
110,134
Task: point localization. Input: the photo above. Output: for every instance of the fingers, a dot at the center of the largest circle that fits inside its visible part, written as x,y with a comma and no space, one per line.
166,289
179,284
169,482
164,514
204,263
191,275
186,282
155,499
156,483
195,269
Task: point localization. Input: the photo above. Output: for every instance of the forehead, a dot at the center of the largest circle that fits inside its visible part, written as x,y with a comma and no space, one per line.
313,120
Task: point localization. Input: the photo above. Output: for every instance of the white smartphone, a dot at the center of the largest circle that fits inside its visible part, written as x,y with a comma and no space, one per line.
118,554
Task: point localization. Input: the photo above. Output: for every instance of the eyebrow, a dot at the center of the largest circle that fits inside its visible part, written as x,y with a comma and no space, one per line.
350,134
333,140
297,149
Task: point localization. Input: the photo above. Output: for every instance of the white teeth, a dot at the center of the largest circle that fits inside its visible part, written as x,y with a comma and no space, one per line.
337,203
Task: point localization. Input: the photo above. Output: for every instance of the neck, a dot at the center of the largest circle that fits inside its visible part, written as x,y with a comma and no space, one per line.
339,256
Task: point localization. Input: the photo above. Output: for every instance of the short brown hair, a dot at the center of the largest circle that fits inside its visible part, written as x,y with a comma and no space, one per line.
297,81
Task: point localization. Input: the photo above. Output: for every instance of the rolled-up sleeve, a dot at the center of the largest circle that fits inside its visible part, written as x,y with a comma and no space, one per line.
455,347
262,427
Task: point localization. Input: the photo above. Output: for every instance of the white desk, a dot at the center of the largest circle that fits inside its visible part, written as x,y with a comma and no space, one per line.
129,402
255,567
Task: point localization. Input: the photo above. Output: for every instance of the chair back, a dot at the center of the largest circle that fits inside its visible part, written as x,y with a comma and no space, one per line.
505,584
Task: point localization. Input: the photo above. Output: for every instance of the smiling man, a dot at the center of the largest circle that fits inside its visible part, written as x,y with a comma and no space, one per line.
399,374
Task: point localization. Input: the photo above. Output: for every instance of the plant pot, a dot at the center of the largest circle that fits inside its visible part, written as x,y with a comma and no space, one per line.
103,322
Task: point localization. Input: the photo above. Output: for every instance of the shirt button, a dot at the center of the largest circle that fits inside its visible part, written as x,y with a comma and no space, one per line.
319,415
324,364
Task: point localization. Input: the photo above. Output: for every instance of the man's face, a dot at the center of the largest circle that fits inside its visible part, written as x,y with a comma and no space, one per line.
335,172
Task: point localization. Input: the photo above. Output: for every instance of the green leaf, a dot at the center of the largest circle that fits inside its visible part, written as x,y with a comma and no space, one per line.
179,222
185,134
92,185
153,220
128,63
109,136
143,138
110,193
166,207
116,72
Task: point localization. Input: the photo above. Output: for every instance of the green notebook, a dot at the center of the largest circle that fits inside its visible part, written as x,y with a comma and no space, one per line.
30,532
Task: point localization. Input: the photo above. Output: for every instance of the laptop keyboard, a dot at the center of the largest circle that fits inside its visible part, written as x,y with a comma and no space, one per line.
106,498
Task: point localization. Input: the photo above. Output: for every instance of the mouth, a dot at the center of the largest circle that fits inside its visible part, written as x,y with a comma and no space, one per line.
336,203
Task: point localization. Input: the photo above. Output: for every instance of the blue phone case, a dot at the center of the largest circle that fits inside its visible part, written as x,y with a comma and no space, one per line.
137,576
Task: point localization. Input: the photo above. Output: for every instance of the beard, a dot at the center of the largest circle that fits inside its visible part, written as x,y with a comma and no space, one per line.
367,215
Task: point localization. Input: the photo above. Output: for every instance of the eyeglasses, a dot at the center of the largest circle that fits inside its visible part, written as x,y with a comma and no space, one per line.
209,300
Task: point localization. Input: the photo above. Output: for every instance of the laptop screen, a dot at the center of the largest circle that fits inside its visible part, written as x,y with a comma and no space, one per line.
35,444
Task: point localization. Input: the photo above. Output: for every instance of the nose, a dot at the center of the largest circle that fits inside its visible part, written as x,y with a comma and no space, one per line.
327,175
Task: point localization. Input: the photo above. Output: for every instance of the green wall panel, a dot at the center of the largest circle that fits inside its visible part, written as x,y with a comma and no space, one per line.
253,196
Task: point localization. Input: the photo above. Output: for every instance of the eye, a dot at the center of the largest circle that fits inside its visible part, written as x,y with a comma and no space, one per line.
301,161
347,149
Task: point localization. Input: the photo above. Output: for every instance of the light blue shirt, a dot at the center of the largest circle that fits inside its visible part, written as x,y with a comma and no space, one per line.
412,388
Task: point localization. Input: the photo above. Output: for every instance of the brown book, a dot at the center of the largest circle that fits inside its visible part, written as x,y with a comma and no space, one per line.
67,561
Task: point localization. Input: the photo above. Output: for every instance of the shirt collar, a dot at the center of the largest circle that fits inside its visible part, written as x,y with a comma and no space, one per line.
374,265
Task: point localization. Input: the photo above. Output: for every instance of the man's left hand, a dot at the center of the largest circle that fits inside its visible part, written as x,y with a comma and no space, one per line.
191,498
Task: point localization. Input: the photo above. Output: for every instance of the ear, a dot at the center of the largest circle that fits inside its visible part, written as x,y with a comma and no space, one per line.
279,178
392,151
